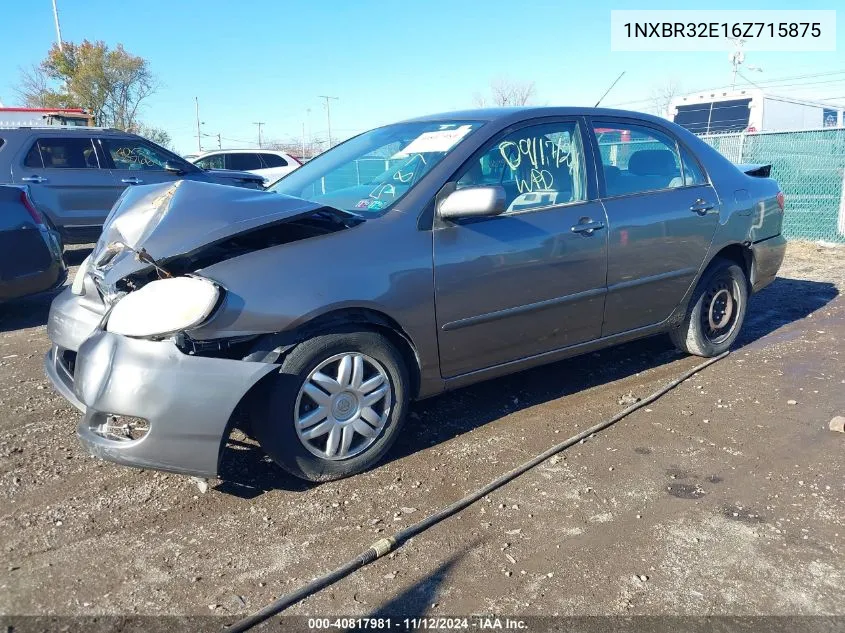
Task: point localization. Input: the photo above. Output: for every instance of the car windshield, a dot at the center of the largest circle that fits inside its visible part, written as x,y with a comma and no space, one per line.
368,174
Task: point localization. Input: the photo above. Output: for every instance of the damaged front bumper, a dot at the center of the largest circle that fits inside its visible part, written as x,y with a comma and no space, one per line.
176,407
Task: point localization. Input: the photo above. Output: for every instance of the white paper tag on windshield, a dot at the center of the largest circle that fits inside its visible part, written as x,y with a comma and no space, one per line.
437,141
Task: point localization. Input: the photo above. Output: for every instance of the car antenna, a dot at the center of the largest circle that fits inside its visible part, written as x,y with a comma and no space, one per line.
609,89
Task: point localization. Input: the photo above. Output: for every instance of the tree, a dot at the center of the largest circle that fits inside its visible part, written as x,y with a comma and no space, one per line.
34,88
155,134
506,92
661,97
295,147
109,83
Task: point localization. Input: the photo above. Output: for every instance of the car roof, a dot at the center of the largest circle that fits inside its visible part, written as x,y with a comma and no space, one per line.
254,150
67,129
530,112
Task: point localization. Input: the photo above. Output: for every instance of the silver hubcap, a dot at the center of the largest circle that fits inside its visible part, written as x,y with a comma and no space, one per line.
343,406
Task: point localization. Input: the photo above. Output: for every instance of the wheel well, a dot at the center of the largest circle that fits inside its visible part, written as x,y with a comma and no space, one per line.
341,319
739,254
265,346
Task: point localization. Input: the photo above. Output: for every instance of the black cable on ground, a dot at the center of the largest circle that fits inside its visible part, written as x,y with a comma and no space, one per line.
385,545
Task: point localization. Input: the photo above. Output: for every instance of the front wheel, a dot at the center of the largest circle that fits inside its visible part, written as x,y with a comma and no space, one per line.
716,311
336,406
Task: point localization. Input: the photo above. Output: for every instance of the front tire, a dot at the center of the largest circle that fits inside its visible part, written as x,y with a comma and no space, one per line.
335,407
716,311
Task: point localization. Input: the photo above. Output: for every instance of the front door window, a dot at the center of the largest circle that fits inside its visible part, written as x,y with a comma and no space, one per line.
538,166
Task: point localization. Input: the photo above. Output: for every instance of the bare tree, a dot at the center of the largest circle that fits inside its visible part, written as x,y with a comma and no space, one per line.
507,92
33,89
661,97
295,147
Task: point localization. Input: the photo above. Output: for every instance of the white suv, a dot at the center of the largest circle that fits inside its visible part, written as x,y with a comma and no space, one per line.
269,164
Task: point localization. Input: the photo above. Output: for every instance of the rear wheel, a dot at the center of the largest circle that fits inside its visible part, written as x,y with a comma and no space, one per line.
716,311
335,407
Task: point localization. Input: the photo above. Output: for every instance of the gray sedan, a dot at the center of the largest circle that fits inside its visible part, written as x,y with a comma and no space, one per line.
415,258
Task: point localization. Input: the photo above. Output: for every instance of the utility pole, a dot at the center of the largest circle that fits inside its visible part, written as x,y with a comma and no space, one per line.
329,116
736,57
199,133
259,124
58,28
303,140
219,144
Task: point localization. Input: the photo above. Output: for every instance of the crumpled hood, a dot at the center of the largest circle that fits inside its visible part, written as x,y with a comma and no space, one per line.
175,218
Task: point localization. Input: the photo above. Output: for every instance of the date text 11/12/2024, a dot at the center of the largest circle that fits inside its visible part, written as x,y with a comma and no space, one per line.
482,623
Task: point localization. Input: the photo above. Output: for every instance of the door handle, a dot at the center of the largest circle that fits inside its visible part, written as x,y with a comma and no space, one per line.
38,179
587,226
701,206
132,181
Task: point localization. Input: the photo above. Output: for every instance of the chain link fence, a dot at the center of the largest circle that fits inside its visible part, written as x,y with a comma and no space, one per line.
810,168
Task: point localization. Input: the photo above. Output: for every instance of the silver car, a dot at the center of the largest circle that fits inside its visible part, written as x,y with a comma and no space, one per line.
415,258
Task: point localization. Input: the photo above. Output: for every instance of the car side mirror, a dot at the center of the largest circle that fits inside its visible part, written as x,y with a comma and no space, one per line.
473,202
173,167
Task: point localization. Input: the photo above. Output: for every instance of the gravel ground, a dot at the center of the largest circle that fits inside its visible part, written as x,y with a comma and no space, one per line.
726,496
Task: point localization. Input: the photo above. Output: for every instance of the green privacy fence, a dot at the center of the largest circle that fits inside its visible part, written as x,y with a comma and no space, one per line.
810,168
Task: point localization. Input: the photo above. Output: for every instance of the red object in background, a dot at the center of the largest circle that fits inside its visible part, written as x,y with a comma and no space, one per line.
623,237
68,110
751,129
625,136
781,200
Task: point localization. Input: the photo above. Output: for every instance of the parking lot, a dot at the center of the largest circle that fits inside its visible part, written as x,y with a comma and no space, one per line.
725,496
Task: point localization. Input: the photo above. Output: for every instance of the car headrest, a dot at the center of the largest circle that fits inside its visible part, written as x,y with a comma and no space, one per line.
652,162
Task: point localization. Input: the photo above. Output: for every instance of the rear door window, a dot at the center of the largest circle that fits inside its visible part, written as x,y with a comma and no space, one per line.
693,174
273,160
62,153
636,159
243,161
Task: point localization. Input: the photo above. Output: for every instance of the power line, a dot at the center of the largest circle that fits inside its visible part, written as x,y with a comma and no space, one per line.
768,83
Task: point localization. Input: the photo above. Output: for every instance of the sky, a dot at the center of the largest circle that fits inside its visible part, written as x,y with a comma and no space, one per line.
265,60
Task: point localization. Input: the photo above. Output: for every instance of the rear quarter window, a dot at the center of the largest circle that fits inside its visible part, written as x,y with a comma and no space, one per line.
243,162
273,160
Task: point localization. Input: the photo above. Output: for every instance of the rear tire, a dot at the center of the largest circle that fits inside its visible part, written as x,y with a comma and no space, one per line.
336,406
716,311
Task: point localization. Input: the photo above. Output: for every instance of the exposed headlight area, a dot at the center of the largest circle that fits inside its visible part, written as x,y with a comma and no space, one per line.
164,307
78,285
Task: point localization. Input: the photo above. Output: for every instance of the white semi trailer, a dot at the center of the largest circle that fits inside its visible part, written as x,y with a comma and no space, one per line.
751,110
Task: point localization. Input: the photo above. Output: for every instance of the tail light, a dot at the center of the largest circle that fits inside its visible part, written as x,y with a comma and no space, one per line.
781,200
33,212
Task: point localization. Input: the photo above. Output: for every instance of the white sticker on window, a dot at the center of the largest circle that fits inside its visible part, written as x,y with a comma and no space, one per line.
438,141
